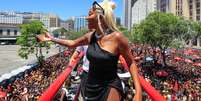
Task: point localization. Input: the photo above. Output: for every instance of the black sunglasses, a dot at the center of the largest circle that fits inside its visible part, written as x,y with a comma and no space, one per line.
94,5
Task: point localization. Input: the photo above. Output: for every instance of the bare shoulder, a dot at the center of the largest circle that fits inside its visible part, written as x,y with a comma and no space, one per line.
120,37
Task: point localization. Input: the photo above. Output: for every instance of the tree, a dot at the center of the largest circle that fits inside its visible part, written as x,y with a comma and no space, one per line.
29,43
74,35
157,30
59,32
197,30
184,31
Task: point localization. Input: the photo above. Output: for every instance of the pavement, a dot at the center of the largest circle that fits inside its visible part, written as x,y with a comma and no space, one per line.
10,60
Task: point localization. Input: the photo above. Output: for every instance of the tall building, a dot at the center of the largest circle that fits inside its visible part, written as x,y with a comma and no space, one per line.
194,10
8,33
176,7
118,21
188,9
141,10
8,26
68,24
127,14
80,23
10,20
54,20
194,14
49,20
135,11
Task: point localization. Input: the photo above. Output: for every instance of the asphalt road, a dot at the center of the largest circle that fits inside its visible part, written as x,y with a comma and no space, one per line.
10,60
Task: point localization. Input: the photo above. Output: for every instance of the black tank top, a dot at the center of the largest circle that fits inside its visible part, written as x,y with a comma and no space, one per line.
102,73
103,64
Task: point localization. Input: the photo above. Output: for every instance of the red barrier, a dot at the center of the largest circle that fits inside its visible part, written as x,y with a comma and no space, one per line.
155,95
55,86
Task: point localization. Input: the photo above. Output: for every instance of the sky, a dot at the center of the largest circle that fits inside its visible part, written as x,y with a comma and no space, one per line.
63,8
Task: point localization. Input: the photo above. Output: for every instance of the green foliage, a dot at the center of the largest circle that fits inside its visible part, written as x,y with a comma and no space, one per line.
28,42
197,28
125,32
162,30
59,32
73,35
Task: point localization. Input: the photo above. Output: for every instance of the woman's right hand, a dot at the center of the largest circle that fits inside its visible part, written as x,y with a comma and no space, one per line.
45,37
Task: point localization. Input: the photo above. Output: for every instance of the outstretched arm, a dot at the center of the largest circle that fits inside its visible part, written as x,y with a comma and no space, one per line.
83,40
126,53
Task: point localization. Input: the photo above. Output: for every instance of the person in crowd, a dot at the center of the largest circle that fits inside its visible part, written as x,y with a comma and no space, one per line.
25,94
105,44
83,70
85,61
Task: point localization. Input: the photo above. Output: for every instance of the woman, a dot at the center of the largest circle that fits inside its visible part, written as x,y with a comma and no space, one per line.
105,44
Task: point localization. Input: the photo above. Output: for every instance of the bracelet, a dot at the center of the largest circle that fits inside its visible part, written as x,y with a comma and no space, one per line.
54,39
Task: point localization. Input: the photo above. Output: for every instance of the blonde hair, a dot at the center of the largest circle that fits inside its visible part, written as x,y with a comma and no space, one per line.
109,17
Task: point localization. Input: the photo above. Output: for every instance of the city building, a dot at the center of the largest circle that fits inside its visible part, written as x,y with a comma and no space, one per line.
68,24
10,21
8,33
188,9
8,27
135,11
127,14
49,20
176,7
54,20
141,10
194,10
10,18
118,21
80,23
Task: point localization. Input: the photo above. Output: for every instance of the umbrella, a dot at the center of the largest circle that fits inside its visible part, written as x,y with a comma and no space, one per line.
196,56
197,64
188,61
162,73
178,58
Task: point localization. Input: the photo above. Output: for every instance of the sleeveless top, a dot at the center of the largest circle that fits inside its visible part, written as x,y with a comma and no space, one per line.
102,73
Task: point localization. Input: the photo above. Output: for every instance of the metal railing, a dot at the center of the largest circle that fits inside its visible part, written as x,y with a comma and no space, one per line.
55,86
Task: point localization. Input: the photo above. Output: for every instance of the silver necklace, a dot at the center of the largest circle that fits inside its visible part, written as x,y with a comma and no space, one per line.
98,36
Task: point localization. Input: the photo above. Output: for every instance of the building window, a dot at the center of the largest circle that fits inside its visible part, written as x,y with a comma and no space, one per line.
191,6
15,32
197,18
1,32
197,5
8,32
191,13
198,11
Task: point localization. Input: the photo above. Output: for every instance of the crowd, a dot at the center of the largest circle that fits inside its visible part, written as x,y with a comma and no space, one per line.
182,82
29,85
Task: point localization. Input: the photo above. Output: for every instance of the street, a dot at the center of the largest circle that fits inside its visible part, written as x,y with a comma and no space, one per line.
10,60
